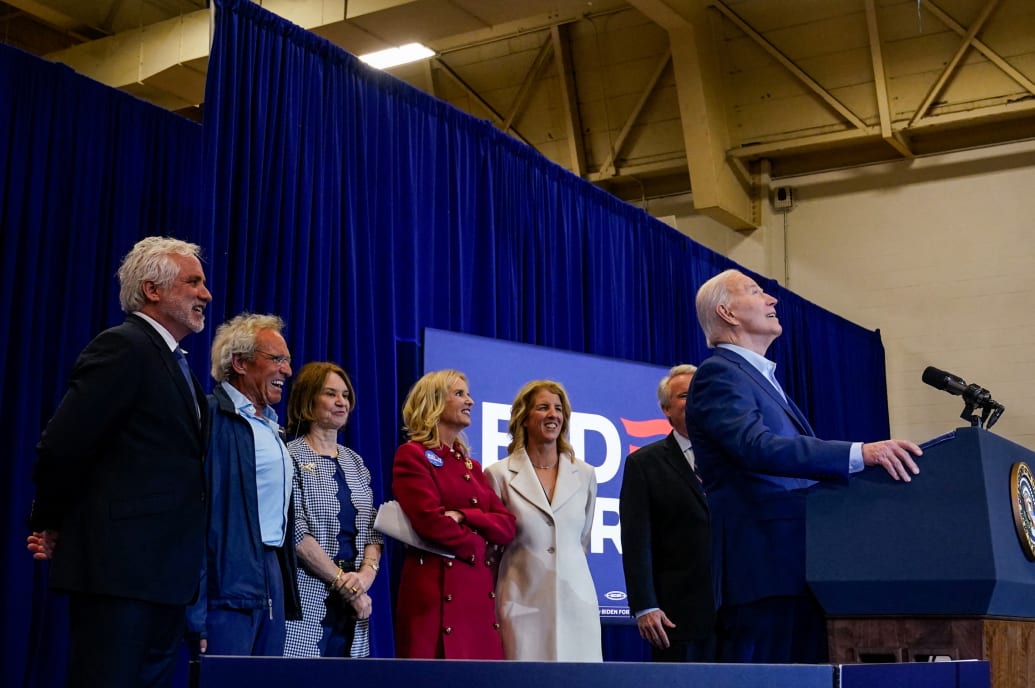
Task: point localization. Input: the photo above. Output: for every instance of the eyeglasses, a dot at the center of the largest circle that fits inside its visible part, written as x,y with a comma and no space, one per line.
279,360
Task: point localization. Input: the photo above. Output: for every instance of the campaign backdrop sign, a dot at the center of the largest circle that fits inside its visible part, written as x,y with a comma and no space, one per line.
614,411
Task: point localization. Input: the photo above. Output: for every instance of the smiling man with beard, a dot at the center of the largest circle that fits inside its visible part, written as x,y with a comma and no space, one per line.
757,456
119,477
248,582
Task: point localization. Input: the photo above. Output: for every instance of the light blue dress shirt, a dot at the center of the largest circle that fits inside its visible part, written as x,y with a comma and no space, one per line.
273,468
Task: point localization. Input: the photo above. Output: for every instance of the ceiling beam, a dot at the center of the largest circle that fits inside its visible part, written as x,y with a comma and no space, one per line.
880,82
130,58
950,67
981,47
718,191
665,165
717,186
515,28
992,113
55,15
666,16
608,166
832,141
805,143
569,99
496,117
789,65
524,91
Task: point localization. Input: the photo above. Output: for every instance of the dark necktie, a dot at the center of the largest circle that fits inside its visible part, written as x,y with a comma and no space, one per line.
185,369
688,454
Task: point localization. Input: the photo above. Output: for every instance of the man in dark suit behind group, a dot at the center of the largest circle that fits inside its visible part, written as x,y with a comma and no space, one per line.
120,499
758,455
666,539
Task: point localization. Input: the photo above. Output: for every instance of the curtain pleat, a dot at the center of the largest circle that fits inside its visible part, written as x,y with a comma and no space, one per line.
383,211
360,210
85,171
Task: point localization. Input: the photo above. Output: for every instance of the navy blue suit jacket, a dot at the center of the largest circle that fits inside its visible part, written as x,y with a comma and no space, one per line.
757,455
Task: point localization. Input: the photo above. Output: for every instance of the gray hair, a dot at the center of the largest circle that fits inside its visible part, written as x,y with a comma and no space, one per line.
237,337
712,293
149,261
664,394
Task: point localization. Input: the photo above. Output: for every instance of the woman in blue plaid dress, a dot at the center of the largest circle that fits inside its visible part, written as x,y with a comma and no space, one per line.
339,551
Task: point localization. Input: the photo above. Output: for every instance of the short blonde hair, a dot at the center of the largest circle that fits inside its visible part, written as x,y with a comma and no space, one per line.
149,261
308,385
522,406
424,406
236,337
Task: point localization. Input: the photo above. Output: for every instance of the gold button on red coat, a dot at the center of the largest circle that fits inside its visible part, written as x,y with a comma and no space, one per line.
447,630
449,564
492,595
474,500
496,626
449,598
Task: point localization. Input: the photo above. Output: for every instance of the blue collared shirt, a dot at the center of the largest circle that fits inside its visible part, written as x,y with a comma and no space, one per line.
272,467
768,370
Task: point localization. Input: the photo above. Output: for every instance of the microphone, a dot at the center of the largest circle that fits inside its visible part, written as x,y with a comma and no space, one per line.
939,379
973,395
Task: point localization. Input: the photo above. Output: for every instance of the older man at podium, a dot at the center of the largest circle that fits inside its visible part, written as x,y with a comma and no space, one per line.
757,455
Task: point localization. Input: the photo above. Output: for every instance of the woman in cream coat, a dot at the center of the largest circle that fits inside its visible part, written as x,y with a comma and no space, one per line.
545,597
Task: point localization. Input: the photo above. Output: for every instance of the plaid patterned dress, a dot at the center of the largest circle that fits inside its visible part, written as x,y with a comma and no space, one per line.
317,510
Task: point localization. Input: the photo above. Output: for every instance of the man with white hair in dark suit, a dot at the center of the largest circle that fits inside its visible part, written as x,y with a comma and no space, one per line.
666,538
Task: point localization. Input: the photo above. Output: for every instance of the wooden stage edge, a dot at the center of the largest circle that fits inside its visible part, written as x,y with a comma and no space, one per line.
1008,645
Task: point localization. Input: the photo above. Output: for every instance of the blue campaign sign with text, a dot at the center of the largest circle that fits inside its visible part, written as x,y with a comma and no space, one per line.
614,411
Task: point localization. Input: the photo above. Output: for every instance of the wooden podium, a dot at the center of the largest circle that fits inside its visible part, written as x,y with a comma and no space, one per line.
936,568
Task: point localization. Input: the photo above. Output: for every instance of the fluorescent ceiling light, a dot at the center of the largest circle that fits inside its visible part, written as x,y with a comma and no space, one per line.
383,59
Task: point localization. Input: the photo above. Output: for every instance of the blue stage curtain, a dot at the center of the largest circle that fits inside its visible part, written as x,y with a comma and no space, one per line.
362,211
832,368
85,171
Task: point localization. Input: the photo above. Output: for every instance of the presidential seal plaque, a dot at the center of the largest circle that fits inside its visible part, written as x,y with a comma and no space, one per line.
1022,497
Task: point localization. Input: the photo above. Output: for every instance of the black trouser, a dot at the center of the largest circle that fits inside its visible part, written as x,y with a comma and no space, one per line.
117,642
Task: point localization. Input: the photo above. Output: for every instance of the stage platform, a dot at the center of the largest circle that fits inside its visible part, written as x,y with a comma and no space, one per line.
274,672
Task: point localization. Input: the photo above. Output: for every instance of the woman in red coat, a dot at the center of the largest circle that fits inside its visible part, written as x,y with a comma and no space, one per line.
446,607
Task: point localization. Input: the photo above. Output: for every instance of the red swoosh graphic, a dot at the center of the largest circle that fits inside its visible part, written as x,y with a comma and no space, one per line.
644,429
